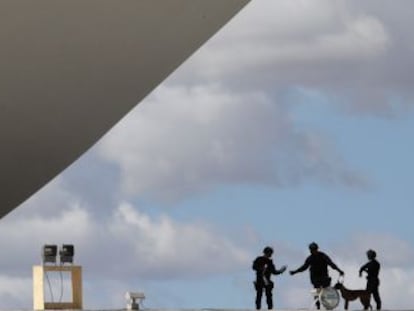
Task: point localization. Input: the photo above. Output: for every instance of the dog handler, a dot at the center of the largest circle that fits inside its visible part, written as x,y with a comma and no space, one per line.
372,268
264,267
318,263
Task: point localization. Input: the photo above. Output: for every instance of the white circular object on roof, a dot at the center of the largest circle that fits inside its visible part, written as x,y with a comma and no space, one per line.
329,298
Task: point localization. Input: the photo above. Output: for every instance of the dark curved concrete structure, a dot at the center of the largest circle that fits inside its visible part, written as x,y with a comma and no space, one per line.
70,70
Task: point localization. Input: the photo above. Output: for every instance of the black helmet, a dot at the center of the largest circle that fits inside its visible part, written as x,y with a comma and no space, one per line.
371,254
313,246
268,250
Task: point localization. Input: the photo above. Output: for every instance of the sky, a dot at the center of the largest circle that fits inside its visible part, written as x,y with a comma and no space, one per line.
292,124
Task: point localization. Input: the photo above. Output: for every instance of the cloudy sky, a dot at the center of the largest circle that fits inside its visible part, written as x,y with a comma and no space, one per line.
293,124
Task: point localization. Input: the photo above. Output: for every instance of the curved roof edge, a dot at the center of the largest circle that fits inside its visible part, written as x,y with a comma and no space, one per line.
71,69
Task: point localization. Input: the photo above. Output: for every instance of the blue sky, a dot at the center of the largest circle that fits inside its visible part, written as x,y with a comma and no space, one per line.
293,124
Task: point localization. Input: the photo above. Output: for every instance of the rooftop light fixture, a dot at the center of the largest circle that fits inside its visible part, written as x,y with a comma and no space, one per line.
49,253
66,253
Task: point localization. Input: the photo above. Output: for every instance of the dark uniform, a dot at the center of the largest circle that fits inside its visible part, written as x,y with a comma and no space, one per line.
318,263
372,268
264,267
318,267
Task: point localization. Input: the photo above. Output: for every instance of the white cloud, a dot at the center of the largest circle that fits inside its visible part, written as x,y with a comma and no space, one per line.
393,251
150,248
285,39
184,141
357,55
163,248
14,292
358,41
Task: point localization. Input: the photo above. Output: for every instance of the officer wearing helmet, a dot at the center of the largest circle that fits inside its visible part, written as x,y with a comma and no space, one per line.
372,268
264,267
318,263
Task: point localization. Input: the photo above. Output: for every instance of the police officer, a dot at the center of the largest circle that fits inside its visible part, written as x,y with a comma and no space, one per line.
372,268
264,267
318,263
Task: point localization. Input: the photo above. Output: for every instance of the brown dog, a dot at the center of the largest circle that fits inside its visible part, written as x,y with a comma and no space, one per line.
350,295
